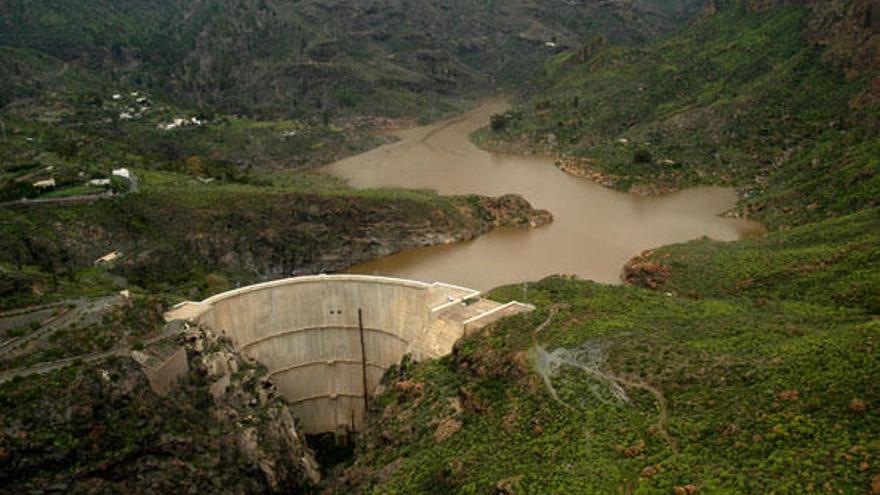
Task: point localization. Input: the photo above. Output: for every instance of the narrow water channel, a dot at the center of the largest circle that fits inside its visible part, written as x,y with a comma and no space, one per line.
595,229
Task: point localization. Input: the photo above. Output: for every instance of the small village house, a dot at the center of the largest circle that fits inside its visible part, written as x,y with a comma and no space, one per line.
107,258
44,184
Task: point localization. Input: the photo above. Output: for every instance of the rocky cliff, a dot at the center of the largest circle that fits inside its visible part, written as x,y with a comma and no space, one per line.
171,237
847,28
101,428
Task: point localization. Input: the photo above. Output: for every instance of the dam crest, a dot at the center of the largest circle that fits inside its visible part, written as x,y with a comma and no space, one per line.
328,339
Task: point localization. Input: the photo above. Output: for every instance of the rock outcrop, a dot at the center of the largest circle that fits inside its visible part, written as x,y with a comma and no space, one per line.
847,30
641,271
241,392
267,235
100,428
513,210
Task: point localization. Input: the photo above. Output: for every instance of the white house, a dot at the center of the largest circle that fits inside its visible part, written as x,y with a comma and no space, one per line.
44,184
107,258
181,122
122,172
99,182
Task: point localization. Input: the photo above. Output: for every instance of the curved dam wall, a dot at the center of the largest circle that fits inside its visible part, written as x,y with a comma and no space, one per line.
307,332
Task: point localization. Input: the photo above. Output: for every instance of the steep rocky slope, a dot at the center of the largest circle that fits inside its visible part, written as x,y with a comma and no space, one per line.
174,236
100,428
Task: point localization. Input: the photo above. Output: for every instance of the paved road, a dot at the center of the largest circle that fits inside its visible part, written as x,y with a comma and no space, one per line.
171,330
83,198
78,307
80,199
63,318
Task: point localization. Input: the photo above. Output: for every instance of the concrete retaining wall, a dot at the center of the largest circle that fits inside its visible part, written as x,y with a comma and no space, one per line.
306,331
163,377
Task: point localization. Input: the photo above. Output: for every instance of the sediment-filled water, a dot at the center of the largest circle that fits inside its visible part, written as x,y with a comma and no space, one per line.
595,229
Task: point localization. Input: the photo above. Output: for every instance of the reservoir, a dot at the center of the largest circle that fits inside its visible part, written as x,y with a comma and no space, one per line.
595,230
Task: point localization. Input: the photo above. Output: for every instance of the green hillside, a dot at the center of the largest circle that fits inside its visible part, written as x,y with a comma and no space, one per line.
834,262
744,367
641,393
181,237
765,101
284,57
717,367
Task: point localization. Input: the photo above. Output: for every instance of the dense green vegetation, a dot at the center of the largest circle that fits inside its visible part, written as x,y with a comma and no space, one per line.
743,98
751,367
746,367
834,263
732,396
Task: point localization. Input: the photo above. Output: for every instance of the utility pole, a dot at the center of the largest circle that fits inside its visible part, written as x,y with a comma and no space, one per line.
364,362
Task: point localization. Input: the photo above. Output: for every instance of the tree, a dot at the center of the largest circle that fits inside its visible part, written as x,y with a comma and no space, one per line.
499,122
642,155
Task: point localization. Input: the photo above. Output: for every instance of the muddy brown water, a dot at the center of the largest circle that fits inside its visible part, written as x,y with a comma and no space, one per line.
595,229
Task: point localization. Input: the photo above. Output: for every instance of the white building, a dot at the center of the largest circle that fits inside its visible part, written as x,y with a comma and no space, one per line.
181,122
44,184
122,172
107,258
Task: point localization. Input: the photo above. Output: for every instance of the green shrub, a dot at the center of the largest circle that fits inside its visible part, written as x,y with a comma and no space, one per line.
642,156
499,122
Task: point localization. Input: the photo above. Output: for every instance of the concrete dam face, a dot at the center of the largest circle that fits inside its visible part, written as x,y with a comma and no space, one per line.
327,340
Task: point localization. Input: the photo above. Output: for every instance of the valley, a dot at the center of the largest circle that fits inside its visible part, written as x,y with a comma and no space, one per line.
593,233
665,214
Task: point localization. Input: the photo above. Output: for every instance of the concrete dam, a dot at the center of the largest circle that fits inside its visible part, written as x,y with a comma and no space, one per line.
327,340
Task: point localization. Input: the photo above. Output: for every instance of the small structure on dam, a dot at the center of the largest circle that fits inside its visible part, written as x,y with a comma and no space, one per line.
328,339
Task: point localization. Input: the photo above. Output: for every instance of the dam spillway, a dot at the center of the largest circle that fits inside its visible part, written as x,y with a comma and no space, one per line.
327,340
